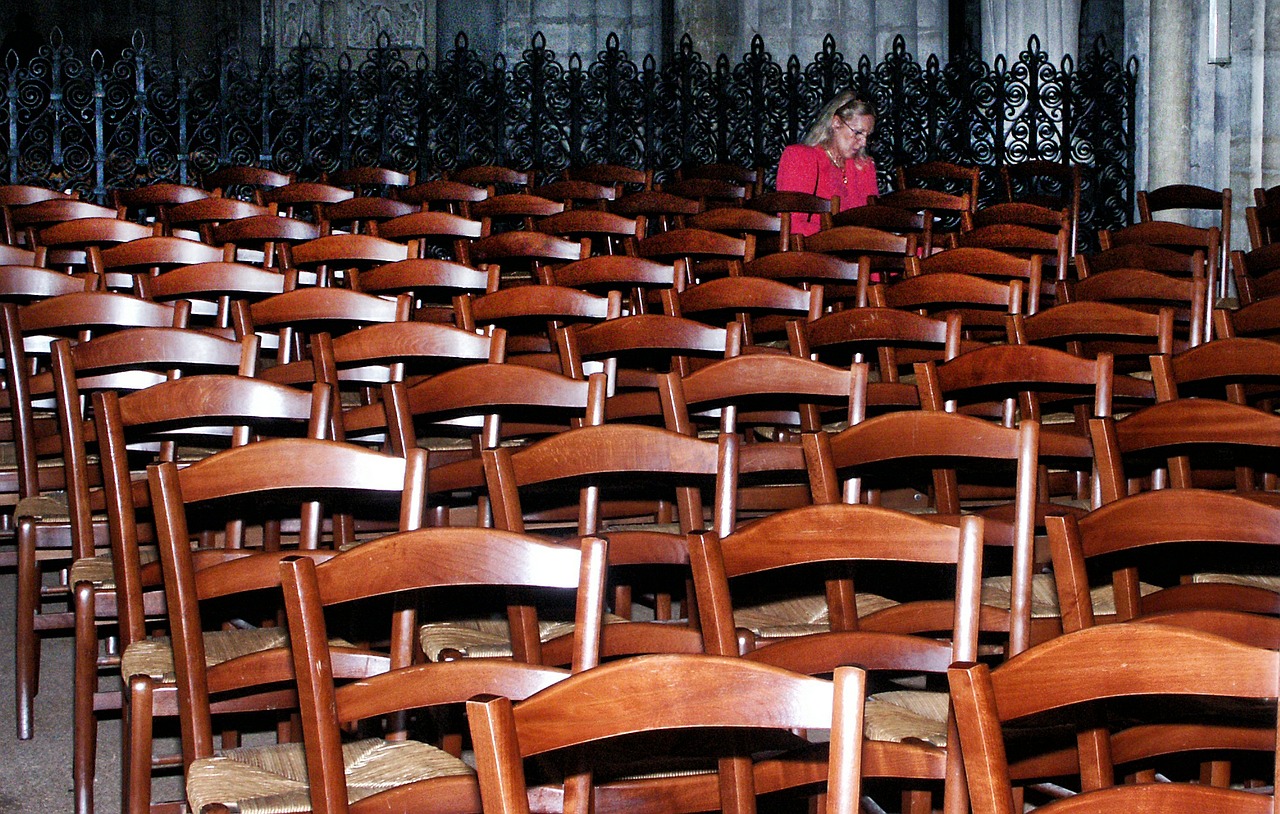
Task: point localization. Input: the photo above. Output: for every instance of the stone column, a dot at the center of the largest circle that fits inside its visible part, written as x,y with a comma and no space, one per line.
1169,93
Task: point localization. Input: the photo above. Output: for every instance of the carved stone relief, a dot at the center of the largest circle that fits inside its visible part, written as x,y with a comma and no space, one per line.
347,23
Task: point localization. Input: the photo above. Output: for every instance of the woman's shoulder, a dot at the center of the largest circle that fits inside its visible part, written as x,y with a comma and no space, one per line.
798,150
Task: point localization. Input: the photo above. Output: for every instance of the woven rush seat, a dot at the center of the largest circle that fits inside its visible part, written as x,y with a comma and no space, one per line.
154,657
100,571
900,715
799,616
273,779
1044,596
1270,583
485,638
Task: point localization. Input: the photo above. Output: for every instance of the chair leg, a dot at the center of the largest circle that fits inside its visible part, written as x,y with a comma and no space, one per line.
85,721
26,642
137,757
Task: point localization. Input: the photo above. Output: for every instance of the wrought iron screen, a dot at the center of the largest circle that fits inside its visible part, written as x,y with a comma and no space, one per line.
82,122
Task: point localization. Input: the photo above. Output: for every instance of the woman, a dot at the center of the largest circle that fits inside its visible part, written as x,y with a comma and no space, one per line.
832,160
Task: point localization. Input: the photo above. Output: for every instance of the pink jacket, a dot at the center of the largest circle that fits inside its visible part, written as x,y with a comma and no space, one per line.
808,169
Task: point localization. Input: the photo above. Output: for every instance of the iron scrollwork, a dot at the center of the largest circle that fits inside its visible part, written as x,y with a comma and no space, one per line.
87,124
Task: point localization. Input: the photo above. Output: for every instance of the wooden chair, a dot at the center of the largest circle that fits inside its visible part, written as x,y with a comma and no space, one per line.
578,194
766,400
724,171
29,219
369,181
1185,239
888,340
875,252
268,480
66,245
120,266
149,203
304,199
1046,183
265,240
490,176
192,410
1149,277
42,517
327,258
212,289
1254,273
1243,370
433,284
767,230
1263,223
710,193
694,693
200,217
621,178
608,232
531,315
884,551
789,205
761,306
635,351
1259,319
981,304
521,254
1164,563
455,196
1070,678
355,215
437,234
837,276
516,210
422,561
858,465
246,183
1264,196
640,278
705,253
944,210
990,264
455,414
1180,443
941,175
889,219
12,195
630,471
661,210
1190,197
1023,241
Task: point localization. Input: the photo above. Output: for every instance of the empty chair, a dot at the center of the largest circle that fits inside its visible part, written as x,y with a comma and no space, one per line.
677,696
708,192
213,289
661,210
1046,183
522,254
244,182
67,244
12,195
793,206
981,304
532,314
1240,369
1254,273
878,253
433,284
121,265
1167,562
149,203
451,196
989,264
202,215
761,306
1149,277
623,179
636,276
437,234
705,253
502,179
479,560
1185,239
1024,241
942,207
942,176
265,239
890,219
329,257
303,199
890,556
1097,685
578,193
357,214
733,173
29,219
1176,197
1263,223
368,181
608,232
517,210
768,230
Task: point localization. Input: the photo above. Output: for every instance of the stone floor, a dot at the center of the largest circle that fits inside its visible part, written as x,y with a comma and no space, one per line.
35,775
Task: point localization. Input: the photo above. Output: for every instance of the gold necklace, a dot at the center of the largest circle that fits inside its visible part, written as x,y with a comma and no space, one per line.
843,166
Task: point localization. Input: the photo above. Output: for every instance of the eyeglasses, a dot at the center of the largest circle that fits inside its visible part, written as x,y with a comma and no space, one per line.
865,134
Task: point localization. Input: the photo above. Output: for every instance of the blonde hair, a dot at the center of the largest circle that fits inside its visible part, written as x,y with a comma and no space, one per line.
846,105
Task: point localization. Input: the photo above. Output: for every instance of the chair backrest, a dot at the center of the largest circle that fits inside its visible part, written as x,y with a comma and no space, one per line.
1025,241
329,256
1169,441
619,176
1263,223
455,196
662,210
941,175
524,253
1178,237
675,694
267,480
370,180
1152,290
532,314
872,249
761,306
433,231
1046,183
705,253
1254,273
432,283
1190,197
609,233
198,409
578,193
1169,555
212,288
148,203
487,175
423,562
357,214
303,199
1107,676
1244,370
890,219
241,179
635,275
991,264
883,452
